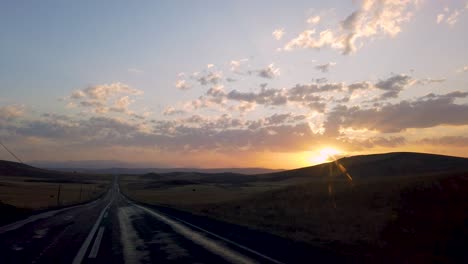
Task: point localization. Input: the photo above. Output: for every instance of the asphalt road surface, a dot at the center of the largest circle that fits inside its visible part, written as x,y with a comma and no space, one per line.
114,229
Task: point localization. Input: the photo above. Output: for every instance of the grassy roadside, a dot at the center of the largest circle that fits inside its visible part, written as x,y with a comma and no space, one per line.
25,189
25,192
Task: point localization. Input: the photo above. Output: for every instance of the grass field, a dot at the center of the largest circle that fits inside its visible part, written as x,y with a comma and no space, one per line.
31,193
398,207
24,189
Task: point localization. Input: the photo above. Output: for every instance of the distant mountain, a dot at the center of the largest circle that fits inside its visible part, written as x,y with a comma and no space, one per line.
91,164
139,171
120,167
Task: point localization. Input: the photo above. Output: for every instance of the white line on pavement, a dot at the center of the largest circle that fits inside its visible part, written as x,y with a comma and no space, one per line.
80,255
201,240
97,243
34,218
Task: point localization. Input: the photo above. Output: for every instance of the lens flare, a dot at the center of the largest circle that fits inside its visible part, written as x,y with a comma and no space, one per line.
325,155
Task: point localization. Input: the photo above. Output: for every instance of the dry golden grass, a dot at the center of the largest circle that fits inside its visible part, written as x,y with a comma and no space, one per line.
20,192
27,187
188,194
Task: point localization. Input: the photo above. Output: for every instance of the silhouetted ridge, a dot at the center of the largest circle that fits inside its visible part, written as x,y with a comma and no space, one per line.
403,164
10,168
393,164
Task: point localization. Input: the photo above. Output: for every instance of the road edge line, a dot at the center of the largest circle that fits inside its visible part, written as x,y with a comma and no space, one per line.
217,236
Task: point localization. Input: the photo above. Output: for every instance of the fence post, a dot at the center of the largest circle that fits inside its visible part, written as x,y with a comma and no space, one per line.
58,195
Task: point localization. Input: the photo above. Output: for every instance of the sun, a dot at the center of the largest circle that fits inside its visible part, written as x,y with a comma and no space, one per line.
325,154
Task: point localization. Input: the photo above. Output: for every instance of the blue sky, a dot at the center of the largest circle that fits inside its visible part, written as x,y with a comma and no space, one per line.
52,49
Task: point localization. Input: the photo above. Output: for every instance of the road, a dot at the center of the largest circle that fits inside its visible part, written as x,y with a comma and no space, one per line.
114,229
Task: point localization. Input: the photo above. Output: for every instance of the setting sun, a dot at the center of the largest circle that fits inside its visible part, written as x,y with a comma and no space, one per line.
324,155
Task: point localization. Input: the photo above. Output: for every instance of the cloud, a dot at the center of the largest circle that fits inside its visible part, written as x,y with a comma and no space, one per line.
316,95
236,64
450,18
390,142
314,20
134,70
244,107
105,97
105,91
182,85
374,18
393,85
325,67
210,78
121,105
265,96
270,72
440,18
427,111
451,141
463,69
278,33
11,112
426,81
359,86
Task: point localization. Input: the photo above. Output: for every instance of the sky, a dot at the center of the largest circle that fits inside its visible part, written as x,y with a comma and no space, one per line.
213,84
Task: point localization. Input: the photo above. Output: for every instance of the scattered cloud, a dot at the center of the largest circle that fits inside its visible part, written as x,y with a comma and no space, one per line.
210,78
324,68
314,20
427,111
121,104
440,18
463,69
182,85
134,70
452,141
105,97
278,33
389,142
450,18
11,112
236,65
426,81
394,85
371,19
169,111
270,72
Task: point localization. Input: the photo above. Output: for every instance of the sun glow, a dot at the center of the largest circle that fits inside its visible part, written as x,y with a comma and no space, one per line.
324,155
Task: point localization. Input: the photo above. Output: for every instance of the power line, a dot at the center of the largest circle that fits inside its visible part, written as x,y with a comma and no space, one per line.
13,154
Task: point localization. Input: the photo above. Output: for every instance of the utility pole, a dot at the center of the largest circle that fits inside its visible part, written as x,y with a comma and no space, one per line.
11,153
81,190
58,195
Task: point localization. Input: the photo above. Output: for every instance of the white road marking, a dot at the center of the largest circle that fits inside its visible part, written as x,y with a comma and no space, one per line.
199,239
40,233
230,241
82,251
97,243
33,218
